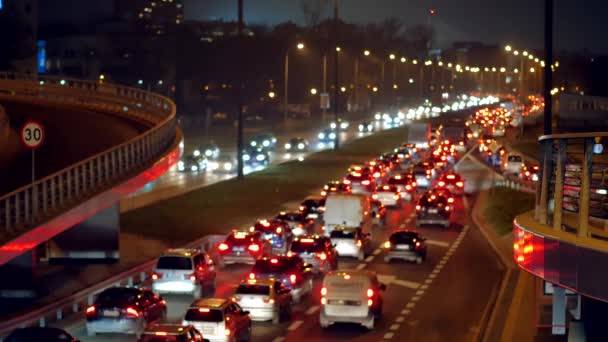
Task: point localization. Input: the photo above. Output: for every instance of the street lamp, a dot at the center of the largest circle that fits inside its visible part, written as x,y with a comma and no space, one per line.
338,49
271,94
403,59
299,46
516,53
508,48
313,91
391,56
343,89
366,53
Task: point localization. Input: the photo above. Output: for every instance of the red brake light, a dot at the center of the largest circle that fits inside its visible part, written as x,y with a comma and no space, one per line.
370,302
302,208
441,183
370,293
376,174
447,208
460,184
322,256
451,177
451,200
292,278
226,332
359,243
408,187
192,277
155,276
251,276
254,248
375,196
396,197
223,247
323,291
365,182
274,261
307,240
160,333
418,207
279,230
91,310
132,312
323,193
346,181
417,243
386,187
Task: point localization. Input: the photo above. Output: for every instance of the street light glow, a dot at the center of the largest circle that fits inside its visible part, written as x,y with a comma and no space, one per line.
403,60
366,52
375,89
415,61
411,80
493,69
300,46
516,70
516,53
440,63
525,53
486,69
391,56
449,65
530,57
102,77
395,86
343,89
508,48
532,69
313,91
338,49
503,69
271,94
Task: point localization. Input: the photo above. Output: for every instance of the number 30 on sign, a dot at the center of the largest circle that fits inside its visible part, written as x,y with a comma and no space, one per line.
32,134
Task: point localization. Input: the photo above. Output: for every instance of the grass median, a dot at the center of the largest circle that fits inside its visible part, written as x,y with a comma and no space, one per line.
502,207
228,205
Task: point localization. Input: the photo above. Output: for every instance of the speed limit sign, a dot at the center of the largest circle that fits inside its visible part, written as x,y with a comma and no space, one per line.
32,134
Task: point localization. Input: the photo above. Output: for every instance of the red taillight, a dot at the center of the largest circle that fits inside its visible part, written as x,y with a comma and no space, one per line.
413,184
447,208
365,182
418,244
375,196
302,208
131,312
418,207
279,230
451,200
91,310
292,278
408,187
370,302
346,181
396,197
376,174
223,247
370,293
322,256
460,184
192,277
269,301
323,291
323,301
251,275
226,332
441,183
254,248
156,276
359,243
323,193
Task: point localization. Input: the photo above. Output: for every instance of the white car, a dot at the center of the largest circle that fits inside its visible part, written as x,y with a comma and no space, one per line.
184,271
351,242
351,297
513,164
265,299
219,319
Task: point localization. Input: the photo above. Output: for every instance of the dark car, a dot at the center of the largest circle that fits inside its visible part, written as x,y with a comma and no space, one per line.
299,223
313,207
296,145
317,251
255,157
46,334
209,151
171,333
406,184
327,138
453,182
335,187
243,248
265,142
291,270
423,173
277,232
192,164
378,212
434,208
360,183
405,245
124,310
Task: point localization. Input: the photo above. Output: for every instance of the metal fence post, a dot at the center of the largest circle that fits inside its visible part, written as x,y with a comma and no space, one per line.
583,204
560,166
546,180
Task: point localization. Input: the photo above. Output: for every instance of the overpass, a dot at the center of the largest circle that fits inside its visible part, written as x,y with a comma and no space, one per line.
75,209
564,241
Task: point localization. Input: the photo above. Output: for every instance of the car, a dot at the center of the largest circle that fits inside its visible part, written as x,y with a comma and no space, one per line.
406,184
378,212
289,269
433,208
184,271
313,207
423,173
297,221
317,251
296,145
387,194
351,242
264,142
222,164
243,247
208,151
342,123
453,182
276,232
405,245
530,172
46,334
513,164
336,187
347,211
366,127
219,319
192,164
265,299
360,183
351,296
255,157
498,131
440,159
126,310
327,138
171,333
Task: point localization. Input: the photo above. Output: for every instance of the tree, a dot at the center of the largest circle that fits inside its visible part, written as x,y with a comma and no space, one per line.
312,11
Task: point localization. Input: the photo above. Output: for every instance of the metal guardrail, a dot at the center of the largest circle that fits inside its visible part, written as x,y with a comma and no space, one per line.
32,204
73,306
516,184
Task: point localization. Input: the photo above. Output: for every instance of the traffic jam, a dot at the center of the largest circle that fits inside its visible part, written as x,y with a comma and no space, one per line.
309,254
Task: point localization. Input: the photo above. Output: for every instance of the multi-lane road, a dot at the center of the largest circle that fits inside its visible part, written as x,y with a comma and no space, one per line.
448,297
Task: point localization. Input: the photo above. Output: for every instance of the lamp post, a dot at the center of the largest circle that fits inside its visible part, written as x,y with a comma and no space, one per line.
300,46
324,85
239,134
548,62
336,77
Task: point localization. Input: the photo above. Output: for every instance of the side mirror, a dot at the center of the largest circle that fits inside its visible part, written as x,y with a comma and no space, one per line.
244,313
382,287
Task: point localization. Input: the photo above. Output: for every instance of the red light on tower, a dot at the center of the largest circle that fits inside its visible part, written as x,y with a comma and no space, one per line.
432,11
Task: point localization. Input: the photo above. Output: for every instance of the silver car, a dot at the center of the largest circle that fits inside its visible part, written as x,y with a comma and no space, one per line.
184,271
351,242
265,299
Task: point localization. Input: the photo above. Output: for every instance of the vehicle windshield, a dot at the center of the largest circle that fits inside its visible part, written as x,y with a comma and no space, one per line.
313,203
342,234
204,315
174,263
403,237
516,159
300,246
252,289
118,297
290,217
266,266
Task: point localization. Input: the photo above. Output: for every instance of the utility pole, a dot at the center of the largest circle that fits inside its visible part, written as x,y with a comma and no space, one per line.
286,90
239,101
324,84
336,77
548,62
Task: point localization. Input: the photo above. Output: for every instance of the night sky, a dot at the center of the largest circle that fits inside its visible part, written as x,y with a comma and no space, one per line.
579,24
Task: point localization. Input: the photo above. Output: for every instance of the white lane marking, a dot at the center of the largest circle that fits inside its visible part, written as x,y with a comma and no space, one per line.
312,310
432,275
424,287
395,326
405,311
437,243
419,292
410,305
442,261
388,335
400,319
295,325
428,281
360,267
369,258
279,339
415,298
438,267
377,251
402,225
435,271
405,283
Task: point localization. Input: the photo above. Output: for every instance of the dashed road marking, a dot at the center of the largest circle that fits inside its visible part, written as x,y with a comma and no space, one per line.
369,258
415,298
295,325
437,243
424,287
405,283
435,271
410,305
312,309
388,335
377,251
400,319
442,261
419,292
279,339
438,267
395,326
432,275
428,281
405,311
360,267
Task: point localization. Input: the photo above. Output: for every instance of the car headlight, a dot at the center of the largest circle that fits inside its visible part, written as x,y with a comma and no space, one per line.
260,157
370,128
360,127
194,168
196,153
246,157
332,136
321,145
208,153
301,146
344,125
266,143
181,144
321,135
377,116
287,146
253,143
274,140
213,166
227,166
333,125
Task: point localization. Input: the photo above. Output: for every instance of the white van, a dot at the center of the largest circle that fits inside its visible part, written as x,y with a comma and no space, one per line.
513,164
351,297
347,210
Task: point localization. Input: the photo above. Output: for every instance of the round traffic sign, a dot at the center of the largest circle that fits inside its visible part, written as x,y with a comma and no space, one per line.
32,134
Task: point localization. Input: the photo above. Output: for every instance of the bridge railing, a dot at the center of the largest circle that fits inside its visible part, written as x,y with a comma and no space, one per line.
32,204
